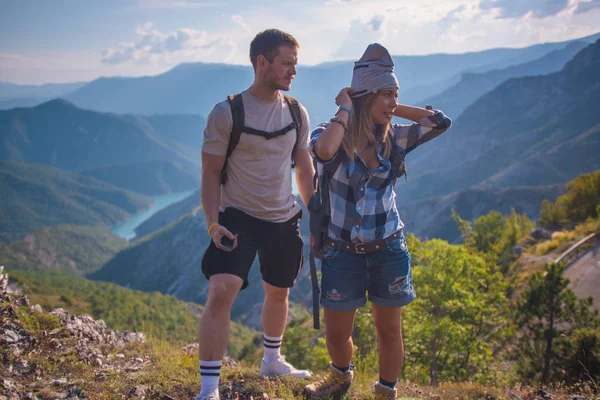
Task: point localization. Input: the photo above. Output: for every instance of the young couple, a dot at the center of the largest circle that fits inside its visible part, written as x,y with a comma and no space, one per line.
247,198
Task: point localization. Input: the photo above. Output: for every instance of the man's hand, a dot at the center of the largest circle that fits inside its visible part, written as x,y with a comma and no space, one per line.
218,232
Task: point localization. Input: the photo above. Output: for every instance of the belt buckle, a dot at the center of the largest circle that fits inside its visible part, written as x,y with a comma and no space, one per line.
357,251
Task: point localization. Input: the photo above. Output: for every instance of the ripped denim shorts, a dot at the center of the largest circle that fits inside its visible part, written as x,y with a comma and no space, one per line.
385,275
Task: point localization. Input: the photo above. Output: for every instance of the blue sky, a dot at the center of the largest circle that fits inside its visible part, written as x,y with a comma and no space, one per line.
65,41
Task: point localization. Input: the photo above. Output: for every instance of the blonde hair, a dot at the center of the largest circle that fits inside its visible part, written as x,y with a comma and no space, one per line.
361,124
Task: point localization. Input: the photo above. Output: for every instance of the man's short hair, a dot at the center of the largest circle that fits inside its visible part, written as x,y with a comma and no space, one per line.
267,43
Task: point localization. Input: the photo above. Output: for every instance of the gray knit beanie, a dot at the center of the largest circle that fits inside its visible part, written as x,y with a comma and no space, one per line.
374,71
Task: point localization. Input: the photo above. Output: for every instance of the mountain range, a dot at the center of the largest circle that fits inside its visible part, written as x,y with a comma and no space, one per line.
525,122
151,156
537,131
194,88
36,196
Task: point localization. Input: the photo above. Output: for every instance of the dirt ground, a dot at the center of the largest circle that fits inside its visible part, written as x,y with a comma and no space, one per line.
584,275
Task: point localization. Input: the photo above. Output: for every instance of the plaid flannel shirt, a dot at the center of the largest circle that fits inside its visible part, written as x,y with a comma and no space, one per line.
363,202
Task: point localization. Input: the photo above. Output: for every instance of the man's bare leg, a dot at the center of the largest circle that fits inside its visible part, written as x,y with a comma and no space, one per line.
274,318
213,332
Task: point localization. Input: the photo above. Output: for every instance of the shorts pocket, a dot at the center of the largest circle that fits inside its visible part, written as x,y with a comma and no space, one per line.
398,245
329,253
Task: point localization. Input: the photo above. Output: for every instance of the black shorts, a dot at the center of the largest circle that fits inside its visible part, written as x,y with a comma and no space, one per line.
279,247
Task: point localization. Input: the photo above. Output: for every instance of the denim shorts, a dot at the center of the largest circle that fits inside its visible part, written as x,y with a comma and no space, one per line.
385,275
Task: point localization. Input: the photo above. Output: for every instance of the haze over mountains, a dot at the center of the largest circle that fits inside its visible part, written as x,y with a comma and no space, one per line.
525,122
528,131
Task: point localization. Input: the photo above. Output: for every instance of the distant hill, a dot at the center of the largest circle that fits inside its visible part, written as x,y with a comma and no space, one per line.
149,177
157,155
65,248
35,196
70,138
20,102
195,88
10,91
184,130
528,131
432,218
473,85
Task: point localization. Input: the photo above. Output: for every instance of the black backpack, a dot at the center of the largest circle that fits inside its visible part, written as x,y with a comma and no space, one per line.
237,113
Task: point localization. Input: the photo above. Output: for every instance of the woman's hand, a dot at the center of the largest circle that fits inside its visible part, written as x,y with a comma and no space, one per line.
343,97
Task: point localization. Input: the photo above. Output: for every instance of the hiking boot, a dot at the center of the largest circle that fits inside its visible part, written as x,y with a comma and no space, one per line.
210,396
335,384
280,367
383,392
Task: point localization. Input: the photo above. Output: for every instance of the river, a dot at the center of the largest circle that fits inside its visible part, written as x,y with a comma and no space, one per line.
127,229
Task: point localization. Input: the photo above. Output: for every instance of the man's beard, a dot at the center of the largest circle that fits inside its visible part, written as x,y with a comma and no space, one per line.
275,85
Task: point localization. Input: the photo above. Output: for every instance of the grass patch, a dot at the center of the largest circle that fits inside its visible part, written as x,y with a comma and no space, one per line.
546,247
35,323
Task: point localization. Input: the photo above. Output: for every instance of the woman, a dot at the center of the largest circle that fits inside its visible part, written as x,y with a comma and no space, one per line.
365,251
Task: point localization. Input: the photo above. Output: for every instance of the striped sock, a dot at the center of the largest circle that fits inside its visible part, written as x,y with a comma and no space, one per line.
272,347
210,374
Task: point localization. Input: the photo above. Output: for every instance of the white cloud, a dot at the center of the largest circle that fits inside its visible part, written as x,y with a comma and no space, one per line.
360,35
239,21
376,22
174,4
153,46
514,9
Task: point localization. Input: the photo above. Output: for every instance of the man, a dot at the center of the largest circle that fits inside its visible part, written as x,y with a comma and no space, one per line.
255,208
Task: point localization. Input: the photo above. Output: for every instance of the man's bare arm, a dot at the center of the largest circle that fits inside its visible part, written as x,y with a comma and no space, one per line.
304,174
211,196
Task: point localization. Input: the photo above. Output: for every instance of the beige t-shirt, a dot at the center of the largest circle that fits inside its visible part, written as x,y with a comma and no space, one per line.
259,170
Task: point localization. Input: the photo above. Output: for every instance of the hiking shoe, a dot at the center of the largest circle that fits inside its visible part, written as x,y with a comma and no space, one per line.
383,392
335,384
209,396
280,367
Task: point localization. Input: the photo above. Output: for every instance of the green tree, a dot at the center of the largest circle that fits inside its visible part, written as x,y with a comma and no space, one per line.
579,355
458,318
495,235
552,215
579,203
582,197
550,313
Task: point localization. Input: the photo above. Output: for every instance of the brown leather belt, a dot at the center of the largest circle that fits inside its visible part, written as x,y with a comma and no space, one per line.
363,248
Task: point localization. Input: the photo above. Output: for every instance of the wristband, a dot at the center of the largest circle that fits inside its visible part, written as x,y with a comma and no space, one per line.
341,122
212,226
346,108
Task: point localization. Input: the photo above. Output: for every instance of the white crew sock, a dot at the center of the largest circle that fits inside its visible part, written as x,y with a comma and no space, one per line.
210,374
272,348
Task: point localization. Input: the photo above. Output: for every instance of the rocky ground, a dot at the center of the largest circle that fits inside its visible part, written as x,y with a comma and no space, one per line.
58,355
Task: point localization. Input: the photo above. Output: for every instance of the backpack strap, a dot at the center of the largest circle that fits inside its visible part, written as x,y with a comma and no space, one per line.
237,114
319,221
328,172
294,106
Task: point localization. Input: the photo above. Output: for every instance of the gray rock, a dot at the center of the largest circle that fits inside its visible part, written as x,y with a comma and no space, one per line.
540,233
138,392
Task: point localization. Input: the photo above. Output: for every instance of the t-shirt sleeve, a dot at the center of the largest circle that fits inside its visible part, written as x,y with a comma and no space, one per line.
218,130
303,135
